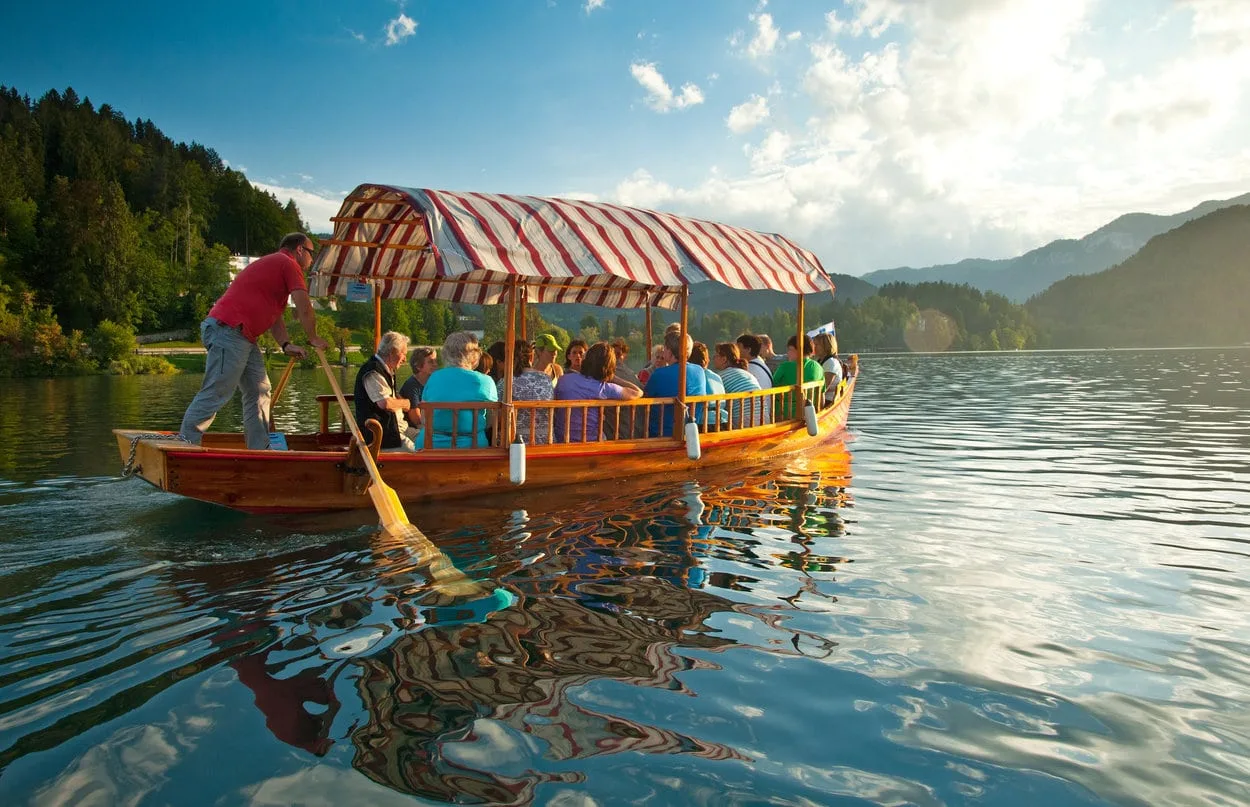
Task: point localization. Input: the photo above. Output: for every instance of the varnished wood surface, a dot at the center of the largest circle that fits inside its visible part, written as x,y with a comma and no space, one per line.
312,475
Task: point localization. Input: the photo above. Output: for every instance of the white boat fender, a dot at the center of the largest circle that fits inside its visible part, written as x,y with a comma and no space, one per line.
693,449
516,462
809,416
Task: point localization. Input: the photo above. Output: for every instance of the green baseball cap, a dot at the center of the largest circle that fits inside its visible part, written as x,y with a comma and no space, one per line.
545,341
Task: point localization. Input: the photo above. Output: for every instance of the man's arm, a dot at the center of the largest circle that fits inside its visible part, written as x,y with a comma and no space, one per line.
377,388
304,313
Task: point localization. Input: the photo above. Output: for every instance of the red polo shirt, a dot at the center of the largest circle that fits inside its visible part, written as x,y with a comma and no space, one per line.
257,295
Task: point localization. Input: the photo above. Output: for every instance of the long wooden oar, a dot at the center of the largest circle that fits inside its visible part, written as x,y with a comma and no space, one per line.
277,390
286,376
444,575
385,500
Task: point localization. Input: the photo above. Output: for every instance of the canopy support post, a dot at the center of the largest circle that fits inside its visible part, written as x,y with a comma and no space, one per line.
377,319
799,343
648,331
524,300
679,428
505,430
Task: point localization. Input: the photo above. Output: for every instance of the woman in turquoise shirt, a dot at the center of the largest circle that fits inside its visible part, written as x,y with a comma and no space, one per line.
458,382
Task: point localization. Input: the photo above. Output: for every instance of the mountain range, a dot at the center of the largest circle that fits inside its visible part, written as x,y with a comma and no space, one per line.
1189,286
1022,277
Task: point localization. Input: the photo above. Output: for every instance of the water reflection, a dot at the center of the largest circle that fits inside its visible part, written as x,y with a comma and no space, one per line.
438,699
1035,589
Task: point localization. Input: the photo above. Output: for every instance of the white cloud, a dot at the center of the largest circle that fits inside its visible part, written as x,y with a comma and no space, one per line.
400,28
356,35
771,153
591,5
660,96
933,130
747,115
765,40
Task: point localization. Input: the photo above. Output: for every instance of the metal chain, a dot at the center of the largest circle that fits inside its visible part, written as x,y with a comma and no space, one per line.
129,468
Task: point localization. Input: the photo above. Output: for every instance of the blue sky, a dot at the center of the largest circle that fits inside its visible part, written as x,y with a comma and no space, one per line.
876,132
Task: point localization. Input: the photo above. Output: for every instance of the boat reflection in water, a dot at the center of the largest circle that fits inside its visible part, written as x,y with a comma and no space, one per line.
617,590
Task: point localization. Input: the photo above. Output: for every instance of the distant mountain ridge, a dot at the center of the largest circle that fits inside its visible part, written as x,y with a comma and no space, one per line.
1188,286
1022,277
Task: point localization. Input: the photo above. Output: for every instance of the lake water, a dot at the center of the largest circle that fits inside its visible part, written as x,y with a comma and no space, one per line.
1023,580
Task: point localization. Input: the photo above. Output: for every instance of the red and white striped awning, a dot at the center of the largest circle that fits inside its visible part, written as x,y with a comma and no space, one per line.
415,243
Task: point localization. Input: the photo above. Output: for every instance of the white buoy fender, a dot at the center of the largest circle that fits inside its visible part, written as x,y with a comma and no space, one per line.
809,416
693,449
516,462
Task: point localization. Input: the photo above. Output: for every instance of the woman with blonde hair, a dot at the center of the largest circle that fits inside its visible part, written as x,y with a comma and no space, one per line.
827,355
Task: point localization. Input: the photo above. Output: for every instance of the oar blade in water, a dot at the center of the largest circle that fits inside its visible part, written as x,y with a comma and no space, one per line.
390,511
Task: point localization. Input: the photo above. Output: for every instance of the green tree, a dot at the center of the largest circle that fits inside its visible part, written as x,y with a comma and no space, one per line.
111,341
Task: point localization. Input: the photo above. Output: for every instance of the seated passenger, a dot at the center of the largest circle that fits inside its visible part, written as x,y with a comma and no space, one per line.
663,383
496,351
786,374
532,425
732,369
454,383
375,395
594,382
657,360
715,386
574,354
423,361
751,346
827,356
545,349
623,373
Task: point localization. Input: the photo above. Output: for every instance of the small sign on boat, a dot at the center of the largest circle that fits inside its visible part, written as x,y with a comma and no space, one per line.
358,292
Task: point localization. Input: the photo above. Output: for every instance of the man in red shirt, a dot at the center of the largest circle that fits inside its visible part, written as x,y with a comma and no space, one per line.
253,303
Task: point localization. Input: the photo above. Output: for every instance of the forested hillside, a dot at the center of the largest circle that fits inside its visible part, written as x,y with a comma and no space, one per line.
1190,286
102,218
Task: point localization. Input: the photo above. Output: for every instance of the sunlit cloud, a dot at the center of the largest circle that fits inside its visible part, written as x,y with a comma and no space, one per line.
399,29
766,34
747,115
927,132
591,5
660,96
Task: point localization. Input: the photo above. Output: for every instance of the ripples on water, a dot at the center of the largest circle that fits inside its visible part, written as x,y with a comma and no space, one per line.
1032,591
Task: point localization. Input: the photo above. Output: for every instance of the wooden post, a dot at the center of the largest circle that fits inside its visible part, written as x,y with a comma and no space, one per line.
680,425
524,300
504,430
377,318
798,369
648,333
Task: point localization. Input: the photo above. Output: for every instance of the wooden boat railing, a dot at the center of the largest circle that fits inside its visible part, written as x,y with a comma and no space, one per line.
617,420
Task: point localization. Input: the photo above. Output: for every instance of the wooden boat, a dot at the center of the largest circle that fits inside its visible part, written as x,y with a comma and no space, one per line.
516,250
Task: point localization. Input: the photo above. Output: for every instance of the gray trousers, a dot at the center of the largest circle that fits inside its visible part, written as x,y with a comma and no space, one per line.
232,362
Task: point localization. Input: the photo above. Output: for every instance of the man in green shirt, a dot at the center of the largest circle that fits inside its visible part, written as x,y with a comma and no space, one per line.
785,375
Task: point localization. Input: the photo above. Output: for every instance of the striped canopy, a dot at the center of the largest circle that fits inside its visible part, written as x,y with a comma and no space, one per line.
415,243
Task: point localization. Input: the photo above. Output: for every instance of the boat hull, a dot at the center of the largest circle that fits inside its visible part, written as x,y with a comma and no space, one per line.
316,475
